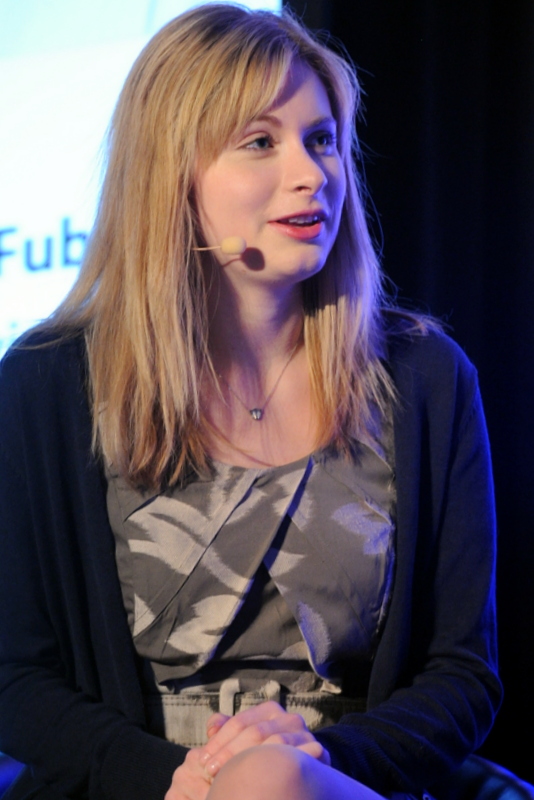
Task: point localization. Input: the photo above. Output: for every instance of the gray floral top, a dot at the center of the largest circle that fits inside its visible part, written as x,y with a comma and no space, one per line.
287,568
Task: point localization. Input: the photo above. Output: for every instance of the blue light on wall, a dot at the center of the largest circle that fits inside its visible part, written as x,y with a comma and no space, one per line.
62,65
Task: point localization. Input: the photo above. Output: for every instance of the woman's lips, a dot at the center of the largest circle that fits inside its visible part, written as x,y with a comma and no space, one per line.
301,226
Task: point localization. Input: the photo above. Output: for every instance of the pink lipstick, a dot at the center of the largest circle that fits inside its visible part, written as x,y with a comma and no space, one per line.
302,226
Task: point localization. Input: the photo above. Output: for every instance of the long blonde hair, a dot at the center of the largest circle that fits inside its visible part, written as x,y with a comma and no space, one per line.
140,296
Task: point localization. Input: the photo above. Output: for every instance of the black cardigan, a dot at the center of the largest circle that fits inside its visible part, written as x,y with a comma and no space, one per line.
70,698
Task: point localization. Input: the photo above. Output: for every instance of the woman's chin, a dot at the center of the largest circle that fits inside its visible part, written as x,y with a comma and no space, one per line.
294,273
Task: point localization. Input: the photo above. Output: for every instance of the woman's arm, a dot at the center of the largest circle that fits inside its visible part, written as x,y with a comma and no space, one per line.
434,689
70,703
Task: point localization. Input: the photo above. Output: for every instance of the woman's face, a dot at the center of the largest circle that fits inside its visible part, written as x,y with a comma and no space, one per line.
280,184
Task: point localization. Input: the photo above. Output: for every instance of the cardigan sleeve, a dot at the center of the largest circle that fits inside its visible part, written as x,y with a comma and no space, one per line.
57,712
434,688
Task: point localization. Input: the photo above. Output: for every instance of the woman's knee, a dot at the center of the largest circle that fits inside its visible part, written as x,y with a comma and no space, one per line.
265,771
285,773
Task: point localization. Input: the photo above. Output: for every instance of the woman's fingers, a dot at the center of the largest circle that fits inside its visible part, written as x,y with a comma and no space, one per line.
189,781
215,723
233,726
317,751
267,723
255,725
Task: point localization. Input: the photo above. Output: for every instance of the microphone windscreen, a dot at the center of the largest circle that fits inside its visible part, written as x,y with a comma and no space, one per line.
233,245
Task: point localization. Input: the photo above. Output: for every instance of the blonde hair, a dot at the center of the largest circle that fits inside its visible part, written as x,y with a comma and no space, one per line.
140,296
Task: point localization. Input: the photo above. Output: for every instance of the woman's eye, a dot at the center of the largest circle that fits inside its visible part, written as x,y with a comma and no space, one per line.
324,142
259,143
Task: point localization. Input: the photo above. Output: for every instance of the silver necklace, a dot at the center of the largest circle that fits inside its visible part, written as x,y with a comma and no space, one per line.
258,412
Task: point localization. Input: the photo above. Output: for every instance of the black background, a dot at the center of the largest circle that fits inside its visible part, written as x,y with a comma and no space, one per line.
449,138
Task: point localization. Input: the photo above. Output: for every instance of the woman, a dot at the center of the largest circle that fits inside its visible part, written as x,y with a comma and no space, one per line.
230,480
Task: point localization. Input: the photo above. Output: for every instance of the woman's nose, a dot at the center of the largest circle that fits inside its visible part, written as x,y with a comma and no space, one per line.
304,170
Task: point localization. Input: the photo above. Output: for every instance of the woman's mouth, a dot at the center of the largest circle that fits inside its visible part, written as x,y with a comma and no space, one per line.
301,226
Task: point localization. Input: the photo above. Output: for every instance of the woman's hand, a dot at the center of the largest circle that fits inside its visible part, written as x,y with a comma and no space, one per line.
190,781
267,723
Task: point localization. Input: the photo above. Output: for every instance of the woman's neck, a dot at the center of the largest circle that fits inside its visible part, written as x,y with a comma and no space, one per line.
259,410
254,331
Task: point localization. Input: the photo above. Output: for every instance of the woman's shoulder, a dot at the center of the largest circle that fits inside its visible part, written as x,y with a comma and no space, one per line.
41,353
423,359
419,340
43,399
42,372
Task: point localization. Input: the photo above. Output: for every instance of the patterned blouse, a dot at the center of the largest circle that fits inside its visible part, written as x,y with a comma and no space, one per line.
284,571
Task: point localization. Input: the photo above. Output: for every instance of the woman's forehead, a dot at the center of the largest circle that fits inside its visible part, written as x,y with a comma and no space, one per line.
299,74
262,90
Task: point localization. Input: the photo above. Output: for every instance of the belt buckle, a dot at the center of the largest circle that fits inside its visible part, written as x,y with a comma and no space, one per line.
230,688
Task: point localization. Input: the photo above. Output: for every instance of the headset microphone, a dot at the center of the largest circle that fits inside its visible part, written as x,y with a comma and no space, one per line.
231,246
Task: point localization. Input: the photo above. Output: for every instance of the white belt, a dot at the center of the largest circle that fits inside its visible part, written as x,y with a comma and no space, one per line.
182,718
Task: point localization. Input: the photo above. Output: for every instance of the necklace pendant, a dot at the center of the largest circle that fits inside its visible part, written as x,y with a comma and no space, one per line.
256,413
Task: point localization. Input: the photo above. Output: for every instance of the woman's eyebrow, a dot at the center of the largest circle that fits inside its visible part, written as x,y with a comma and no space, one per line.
323,121
274,120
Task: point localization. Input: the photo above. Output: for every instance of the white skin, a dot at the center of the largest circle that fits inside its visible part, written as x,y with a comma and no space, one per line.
283,164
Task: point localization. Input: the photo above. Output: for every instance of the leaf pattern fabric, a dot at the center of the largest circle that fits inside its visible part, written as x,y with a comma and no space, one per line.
320,531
